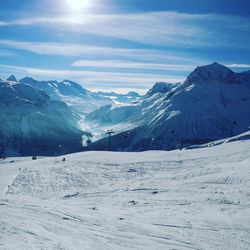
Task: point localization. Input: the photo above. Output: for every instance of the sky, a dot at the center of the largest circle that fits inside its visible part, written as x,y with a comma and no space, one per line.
121,45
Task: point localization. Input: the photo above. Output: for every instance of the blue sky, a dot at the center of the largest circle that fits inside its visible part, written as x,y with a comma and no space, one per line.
121,45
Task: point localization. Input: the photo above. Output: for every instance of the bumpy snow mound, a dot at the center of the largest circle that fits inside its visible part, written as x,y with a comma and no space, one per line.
213,103
30,122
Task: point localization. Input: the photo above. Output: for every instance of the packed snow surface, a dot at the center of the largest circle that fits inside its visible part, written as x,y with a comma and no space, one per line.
189,199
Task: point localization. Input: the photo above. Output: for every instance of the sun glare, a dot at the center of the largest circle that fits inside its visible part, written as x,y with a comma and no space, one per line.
77,5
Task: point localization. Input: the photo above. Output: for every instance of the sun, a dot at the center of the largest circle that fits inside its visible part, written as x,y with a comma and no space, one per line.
77,5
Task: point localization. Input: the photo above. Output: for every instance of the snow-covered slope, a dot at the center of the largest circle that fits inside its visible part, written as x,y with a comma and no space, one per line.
31,123
130,97
127,116
160,87
72,93
213,103
189,199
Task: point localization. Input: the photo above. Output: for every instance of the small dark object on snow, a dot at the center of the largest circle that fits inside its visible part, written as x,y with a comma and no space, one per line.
94,208
64,159
2,154
70,195
88,142
65,218
132,170
185,204
34,157
132,202
121,218
155,192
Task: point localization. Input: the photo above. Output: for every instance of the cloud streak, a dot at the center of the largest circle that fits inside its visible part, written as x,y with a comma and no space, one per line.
118,64
238,65
6,53
155,28
80,50
165,42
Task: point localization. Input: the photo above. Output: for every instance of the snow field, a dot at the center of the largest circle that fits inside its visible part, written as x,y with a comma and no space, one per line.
189,199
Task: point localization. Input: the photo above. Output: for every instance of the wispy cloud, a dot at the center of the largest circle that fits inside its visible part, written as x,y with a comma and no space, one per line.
80,50
238,65
156,28
119,64
6,53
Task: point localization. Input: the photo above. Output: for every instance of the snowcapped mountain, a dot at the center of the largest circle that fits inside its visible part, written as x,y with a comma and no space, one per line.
213,103
160,87
12,78
73,94
30,122
130,97
112,114
76,97
124,117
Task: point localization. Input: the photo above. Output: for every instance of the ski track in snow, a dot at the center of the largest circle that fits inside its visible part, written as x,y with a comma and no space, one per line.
190,199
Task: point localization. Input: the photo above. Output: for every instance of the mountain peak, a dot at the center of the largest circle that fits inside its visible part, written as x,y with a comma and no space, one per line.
133,94
214,67
216,64
160,87
12,78
212,72
27,79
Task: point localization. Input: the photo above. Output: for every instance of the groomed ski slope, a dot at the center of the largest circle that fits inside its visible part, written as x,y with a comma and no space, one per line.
189,199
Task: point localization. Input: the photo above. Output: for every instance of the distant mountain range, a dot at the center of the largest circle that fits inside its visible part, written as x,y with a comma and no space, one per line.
213,103
79,99
117,98
38,116
75,96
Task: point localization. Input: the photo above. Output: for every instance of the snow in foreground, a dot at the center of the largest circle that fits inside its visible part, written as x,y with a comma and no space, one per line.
193,199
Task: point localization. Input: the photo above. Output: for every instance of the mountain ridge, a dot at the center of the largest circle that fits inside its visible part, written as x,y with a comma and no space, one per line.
32,123
78,98
213,103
